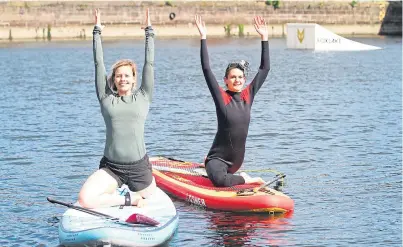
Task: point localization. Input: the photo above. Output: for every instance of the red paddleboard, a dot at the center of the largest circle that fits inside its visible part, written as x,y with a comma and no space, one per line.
188,181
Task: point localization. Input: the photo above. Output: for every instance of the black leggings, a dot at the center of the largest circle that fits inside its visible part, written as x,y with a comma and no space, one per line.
217,172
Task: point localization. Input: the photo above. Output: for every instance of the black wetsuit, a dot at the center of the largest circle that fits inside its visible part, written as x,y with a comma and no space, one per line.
227,153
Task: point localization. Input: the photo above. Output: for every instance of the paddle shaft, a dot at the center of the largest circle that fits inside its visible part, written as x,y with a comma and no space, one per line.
270,182
85,210
133,219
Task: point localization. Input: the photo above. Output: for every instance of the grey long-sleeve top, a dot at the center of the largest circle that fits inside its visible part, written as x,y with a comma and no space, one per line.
124,116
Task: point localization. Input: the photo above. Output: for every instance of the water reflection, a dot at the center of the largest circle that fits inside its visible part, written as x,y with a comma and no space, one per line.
249,229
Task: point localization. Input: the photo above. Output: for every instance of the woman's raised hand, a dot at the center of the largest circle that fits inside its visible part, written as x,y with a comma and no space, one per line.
261,27
147,21
97,15
201,26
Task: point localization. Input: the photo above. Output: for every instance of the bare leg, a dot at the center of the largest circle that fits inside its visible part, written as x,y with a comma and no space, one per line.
100,191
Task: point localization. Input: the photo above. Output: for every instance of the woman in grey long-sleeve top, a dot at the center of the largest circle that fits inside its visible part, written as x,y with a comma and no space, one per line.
124,109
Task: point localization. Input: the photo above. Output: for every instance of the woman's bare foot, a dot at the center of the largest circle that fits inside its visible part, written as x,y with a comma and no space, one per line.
250,180
137,200
141,202
256,180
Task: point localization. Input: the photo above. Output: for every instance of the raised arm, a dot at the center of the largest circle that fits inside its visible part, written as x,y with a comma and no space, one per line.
147,84
100,72
211,81
264,68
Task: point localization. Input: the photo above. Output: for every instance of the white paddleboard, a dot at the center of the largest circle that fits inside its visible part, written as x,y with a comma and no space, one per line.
81,229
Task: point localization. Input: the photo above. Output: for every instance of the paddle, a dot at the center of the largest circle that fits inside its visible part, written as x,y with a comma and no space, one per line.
268,183
249,192
133,219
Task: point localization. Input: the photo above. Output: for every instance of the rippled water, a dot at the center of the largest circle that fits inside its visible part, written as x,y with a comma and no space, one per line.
331,121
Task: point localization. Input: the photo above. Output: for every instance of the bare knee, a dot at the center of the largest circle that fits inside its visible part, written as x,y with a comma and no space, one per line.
97,185
86,200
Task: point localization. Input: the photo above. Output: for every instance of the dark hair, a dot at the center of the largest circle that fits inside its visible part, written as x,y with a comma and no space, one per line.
242,65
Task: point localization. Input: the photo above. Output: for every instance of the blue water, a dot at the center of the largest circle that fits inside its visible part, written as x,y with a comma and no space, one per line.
331,121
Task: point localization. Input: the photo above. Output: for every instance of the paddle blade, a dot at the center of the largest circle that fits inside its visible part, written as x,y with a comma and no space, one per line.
141,219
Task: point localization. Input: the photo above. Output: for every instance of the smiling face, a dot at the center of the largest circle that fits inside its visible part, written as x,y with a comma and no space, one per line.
124,80
235,80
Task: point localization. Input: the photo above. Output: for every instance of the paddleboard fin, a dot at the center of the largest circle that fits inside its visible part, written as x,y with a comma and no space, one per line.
141,219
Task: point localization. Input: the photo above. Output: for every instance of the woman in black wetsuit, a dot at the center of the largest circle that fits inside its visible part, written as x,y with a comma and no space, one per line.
233,107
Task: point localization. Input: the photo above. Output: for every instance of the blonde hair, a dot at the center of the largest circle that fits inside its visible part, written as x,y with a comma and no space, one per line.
118,64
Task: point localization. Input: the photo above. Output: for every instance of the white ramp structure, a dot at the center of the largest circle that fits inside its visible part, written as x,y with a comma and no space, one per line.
316,37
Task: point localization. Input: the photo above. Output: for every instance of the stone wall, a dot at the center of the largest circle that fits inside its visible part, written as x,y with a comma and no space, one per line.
40,14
